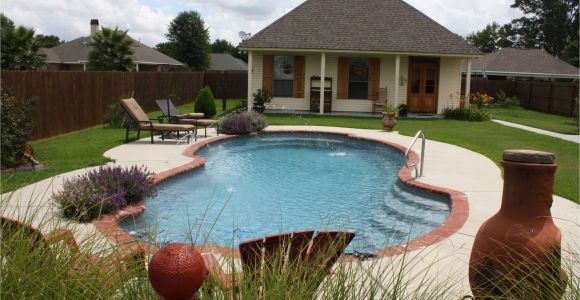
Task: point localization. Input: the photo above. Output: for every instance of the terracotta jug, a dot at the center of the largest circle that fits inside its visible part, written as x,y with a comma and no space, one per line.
516,253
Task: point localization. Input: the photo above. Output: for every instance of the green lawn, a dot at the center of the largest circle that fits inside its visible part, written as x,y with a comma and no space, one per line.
487,138
81,149
85,148
535,119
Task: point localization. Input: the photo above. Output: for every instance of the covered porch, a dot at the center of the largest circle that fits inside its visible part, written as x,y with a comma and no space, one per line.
355,81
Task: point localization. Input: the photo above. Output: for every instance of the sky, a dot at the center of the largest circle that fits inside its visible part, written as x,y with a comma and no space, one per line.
147,20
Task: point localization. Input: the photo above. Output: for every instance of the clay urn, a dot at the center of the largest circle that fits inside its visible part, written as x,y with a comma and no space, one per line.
177,272
516,252
389,120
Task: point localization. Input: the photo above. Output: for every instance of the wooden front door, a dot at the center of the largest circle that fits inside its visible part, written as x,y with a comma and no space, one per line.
423,87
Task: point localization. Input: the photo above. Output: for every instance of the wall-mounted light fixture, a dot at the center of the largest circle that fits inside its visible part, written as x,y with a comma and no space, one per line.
402,80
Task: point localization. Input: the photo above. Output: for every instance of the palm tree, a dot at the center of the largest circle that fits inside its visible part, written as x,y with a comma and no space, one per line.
111,51
20,49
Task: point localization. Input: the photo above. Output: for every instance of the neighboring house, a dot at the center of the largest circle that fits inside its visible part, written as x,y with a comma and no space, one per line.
364,48
225,62
73,55
522,64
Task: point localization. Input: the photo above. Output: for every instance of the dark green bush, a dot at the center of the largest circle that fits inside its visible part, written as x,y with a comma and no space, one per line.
466,114
205,103
115,115
16,128
502,100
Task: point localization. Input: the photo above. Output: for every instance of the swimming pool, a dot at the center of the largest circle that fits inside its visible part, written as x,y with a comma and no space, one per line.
259,185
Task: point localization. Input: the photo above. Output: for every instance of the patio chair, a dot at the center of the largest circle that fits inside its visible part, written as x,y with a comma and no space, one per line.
311,259
197,119
380,101
143,122
13,232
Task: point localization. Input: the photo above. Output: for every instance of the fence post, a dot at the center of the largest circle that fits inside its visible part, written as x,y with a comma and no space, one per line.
530,94
550,97
574,95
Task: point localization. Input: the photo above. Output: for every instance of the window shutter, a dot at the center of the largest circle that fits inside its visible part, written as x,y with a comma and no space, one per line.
342,80
374,76
268,73
299,62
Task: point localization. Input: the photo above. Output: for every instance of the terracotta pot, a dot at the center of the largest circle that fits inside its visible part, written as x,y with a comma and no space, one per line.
389,120
177,272
518,249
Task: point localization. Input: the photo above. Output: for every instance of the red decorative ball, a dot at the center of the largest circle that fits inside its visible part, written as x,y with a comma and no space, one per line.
177,271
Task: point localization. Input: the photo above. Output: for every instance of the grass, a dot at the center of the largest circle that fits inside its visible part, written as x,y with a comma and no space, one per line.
535,119
81,149
487,138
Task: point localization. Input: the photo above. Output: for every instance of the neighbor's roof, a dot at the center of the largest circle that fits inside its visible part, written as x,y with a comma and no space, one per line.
359,25
77,51
523,62
226,62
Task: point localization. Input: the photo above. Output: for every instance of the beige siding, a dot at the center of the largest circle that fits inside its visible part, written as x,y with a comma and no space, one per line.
449,83
388,77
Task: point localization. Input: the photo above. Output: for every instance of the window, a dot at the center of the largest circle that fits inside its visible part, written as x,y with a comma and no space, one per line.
283,76
358,78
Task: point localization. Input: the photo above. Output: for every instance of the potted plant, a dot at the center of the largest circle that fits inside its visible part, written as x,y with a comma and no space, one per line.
403,110
261,97
389,118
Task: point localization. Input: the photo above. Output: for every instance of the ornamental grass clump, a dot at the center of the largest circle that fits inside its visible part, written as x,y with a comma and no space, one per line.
103,191
243,123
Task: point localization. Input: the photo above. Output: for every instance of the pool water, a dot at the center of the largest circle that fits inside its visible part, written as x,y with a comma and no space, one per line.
260,185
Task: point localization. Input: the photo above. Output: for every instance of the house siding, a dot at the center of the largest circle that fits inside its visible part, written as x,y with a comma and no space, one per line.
449,83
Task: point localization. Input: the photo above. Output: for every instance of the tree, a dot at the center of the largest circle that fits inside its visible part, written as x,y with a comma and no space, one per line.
48,41
190,40
166,48
549,24
222,46
492,38
19,49
112,50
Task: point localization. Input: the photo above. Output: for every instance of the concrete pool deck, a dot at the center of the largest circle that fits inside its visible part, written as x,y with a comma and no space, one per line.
446,166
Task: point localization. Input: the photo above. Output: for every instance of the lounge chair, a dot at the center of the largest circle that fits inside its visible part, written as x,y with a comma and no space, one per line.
310,258
143,122
197,119
15,233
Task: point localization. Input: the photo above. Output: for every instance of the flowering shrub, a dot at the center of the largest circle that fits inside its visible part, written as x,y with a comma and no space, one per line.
466,114
102,191
243,123
480,99
15,128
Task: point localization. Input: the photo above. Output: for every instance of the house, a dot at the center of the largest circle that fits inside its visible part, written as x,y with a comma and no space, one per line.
223,62
366,51
73,55
522,64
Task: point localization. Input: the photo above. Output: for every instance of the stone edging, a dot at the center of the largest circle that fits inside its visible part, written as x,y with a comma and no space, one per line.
457,217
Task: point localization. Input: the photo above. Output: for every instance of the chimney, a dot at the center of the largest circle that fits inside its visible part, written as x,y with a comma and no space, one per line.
94,26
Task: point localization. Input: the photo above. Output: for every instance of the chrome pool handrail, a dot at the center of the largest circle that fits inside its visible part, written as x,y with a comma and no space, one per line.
418,171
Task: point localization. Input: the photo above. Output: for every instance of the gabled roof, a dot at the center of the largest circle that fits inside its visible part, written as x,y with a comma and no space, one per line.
359,25
77,51
226,62
523,62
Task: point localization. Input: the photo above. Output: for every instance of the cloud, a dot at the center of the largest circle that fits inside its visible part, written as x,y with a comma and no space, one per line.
148,19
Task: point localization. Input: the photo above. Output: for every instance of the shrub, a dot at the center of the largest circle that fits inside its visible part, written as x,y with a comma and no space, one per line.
243,123
466,114
102,191
16,128
502,100
262,97
115,115
205,103
480,99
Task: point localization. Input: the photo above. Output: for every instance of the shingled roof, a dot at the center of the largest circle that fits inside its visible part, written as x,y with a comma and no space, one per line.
226,62
77,51
359,25
523,62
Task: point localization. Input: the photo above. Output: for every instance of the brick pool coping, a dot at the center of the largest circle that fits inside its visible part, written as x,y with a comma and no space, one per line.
458,201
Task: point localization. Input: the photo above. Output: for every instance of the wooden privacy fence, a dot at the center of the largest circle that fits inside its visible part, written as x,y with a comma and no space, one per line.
228,85
70,101
546,96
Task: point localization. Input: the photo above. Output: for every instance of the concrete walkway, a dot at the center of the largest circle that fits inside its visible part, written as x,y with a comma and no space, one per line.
567,137
446,166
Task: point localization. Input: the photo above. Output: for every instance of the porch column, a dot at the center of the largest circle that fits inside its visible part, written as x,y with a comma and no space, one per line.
322,81
468,82
397,76
250,83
